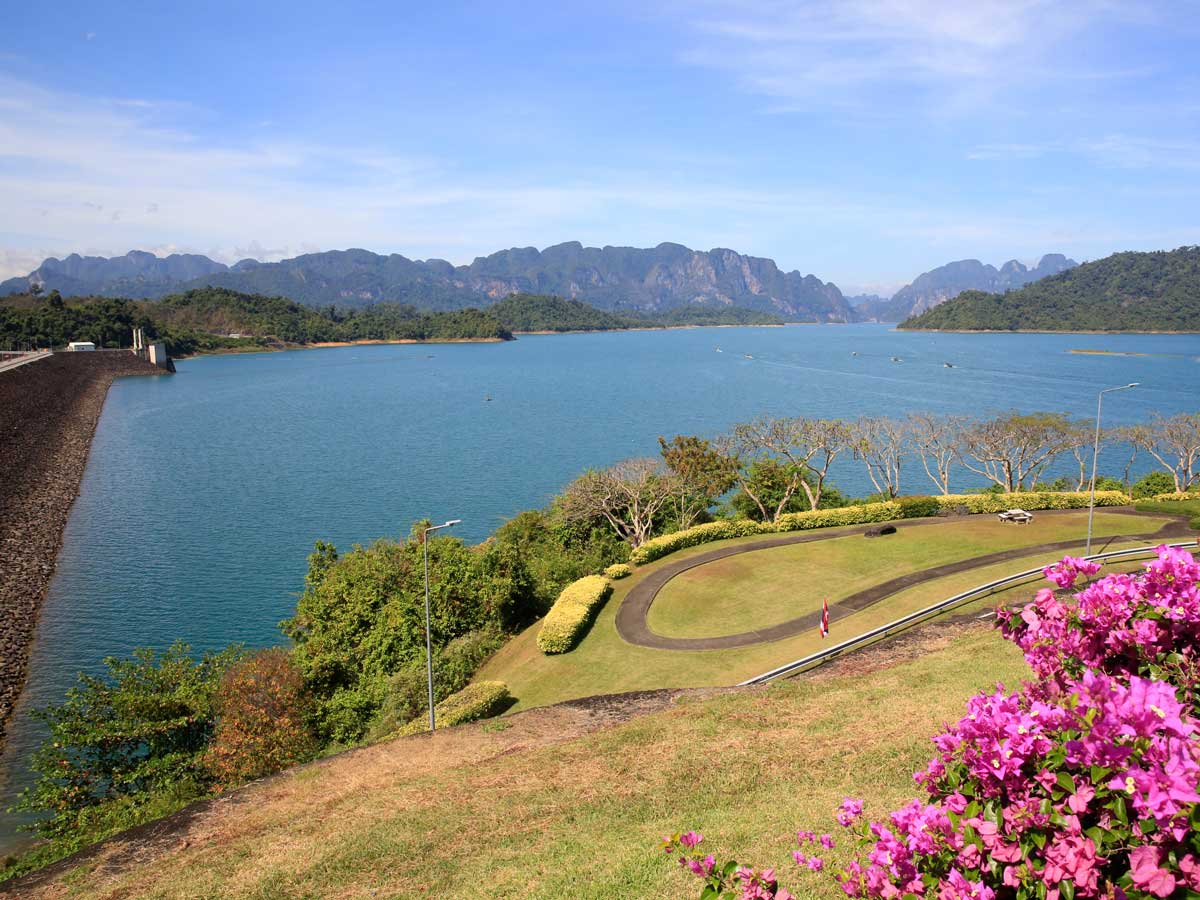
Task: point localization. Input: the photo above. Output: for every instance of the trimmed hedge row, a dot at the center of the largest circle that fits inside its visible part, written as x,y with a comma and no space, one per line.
617,571
1174,497
870,513
480,700
571,613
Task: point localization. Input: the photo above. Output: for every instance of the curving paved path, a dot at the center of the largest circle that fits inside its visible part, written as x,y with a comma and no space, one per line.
634,629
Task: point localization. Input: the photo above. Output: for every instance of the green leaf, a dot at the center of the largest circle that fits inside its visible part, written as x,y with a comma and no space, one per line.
1067,889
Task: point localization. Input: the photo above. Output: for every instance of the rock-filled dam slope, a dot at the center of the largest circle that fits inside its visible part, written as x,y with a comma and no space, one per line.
48,414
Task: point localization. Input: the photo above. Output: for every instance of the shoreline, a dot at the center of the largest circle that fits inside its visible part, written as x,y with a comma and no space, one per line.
49,411
1028,331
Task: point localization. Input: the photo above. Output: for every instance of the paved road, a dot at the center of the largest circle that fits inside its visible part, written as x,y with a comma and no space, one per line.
634,629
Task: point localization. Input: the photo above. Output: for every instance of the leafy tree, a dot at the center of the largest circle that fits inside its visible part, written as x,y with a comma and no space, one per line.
1174,442
805,447
263,714
881,444
766,492
361,617
1015,448
1153,483
629,496
701,475
936,441
139,729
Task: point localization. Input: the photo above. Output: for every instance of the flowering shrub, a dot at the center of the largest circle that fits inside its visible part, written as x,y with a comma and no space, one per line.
1146,624
571,613
1082,784
724,881
617,571
1072,798
480,700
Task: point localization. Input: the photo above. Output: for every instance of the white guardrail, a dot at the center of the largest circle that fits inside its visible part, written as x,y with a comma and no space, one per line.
929,612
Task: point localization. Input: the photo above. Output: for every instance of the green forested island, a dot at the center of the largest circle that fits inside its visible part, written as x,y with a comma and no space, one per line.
219,319
1157,291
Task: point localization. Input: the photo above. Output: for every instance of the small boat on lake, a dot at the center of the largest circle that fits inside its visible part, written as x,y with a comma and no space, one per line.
897,359
748,356
948,365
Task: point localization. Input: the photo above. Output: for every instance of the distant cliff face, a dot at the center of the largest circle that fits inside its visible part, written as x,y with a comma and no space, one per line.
948,281
654,279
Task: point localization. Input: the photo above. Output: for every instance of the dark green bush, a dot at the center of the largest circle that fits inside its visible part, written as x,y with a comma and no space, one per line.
918,507
1154,483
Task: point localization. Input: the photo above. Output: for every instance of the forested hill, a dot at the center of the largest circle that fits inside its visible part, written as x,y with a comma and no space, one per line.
546,312
207,320
1158,291
204,320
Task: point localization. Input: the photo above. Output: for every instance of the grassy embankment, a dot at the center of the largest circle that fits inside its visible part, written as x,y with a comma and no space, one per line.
529,807
781,584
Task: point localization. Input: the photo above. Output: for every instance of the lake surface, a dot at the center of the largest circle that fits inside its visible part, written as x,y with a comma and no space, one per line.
206,490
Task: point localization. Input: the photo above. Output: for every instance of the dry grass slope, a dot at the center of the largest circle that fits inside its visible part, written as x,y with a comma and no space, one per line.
570,801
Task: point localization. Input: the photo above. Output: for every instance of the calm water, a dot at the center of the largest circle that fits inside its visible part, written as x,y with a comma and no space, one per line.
205,491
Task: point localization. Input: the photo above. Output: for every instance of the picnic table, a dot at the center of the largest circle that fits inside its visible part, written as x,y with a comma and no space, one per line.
1019,516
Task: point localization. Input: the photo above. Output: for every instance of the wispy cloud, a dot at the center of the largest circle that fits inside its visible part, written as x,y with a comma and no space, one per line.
897,57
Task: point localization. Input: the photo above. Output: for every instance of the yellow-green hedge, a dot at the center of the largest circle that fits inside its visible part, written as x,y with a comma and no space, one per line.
1032,500
617,571
867,513
1175,497
481,700
661,546
571,613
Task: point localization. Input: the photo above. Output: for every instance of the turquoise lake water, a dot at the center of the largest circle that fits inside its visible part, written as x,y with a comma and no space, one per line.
205,490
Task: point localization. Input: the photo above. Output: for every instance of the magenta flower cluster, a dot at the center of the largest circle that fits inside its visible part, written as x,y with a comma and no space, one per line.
1146,624
724,881
1083,784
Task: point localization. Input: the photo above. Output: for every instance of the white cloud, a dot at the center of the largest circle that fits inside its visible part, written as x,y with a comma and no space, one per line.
862,54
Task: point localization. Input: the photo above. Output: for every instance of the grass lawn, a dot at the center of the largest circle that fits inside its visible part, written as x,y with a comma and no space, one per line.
492,811
766,587
1179,507
603,663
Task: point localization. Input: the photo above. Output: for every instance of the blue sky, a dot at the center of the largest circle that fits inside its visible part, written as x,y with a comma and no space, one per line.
864,141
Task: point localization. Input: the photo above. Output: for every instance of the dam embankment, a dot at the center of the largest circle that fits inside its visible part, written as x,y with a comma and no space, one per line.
48,413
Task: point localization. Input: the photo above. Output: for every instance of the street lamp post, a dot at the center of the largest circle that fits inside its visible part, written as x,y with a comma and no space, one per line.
1095,455
428,629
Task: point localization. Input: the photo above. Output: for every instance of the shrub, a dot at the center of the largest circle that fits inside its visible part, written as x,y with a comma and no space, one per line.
1175,497
867,513
918,507
407,692
1152,484
572,613
135,732
1031,500
617,571
658,547
263,713
481,700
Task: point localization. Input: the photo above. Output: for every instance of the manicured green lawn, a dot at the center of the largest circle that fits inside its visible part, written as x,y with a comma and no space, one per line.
766,587
1179,507
581,819
603,663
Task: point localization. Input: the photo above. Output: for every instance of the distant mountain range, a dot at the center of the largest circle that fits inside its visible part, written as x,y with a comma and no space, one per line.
618,279
613,278
1157,291
948,281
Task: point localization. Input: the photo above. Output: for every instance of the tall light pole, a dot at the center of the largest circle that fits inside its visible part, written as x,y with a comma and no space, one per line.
1095,455
428,630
